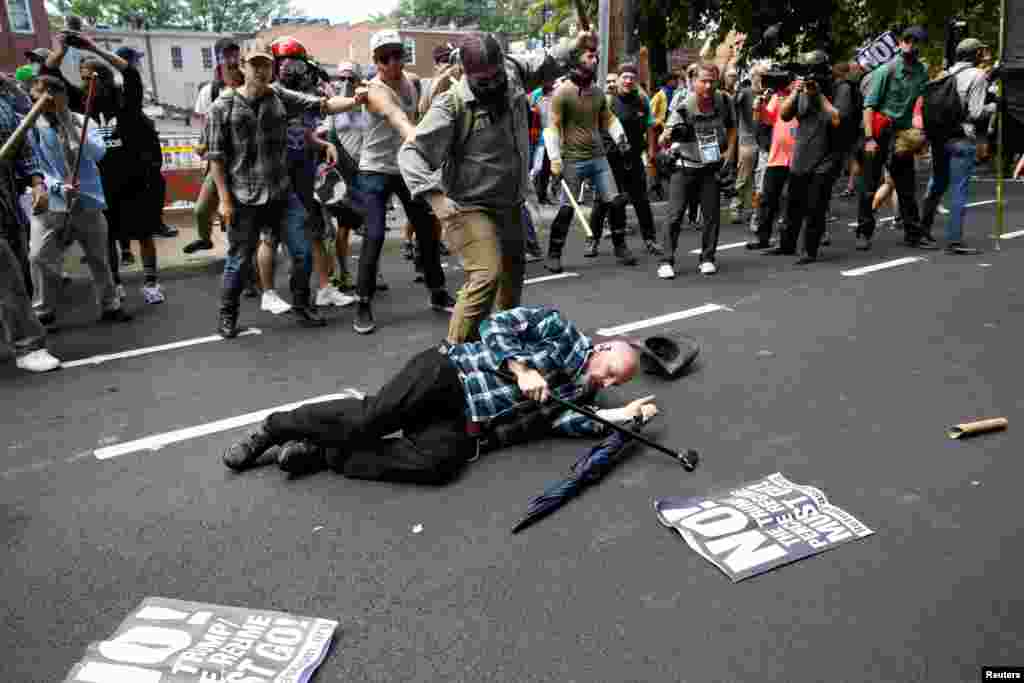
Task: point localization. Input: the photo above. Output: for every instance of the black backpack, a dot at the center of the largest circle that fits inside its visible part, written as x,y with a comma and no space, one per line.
943,112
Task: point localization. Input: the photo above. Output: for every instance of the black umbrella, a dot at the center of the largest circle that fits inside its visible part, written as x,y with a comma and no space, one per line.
589,469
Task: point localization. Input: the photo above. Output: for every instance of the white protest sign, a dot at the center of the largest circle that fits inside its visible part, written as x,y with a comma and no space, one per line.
878,51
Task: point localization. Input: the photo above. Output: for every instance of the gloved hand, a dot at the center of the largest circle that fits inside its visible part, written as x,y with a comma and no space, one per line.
556,168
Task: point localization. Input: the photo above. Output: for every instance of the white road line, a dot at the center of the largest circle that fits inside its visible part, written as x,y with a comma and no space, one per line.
966,206
158,441
545,278
723,247
661,320
882,266
96,360
1011,235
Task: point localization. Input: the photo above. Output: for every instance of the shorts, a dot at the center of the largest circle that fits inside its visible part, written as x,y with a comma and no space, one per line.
346,216
134,213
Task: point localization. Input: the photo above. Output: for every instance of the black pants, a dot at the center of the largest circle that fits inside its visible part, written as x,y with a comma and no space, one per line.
809,195
902,171
632,182
775,178
543,177
425,400
687,184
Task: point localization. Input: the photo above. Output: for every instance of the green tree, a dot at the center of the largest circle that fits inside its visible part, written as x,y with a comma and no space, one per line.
234,15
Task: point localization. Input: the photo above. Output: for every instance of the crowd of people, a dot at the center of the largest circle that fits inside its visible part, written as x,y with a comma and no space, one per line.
468,153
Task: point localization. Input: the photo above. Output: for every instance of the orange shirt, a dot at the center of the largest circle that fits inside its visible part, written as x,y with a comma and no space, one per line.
783,133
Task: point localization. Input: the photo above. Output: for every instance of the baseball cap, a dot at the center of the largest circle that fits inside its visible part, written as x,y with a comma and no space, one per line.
129,54
226,44
39,54
916,33
480,52
969,45
347,68
258,52
384,38
628,69
26,72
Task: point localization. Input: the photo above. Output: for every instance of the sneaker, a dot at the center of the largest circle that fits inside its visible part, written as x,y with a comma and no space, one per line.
708,268
408,250
165,231
666,271
228,325
243,454
441,300
127,258
250,291
779,251
554,264
330,296
273,303
653,248
961,249
37,361
826,239
197,245
363,322
943,210
381,285
927,238
863,243
120,291
590,248
48,321
754,245
832,218
116,315
806,260
921,243
846,193
624,256
533,252
153,293
306,316
301,457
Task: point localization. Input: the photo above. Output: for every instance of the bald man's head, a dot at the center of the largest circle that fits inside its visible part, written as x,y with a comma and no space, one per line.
612,363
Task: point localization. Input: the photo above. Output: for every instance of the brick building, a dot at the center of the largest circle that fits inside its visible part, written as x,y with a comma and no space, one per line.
25,26
351,42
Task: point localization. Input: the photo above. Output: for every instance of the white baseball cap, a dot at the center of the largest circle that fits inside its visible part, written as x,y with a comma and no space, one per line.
383,38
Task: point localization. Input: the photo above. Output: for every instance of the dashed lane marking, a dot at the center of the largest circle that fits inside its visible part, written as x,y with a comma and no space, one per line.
158,441
661,319
895,263
853,224
545,278
145,351
723,247
1011,235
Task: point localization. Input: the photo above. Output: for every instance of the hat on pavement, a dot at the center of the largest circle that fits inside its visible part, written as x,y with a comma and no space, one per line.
916,33
667,355
40,54
129,54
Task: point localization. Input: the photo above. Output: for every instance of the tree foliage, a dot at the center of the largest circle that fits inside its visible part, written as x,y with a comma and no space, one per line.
498,16
202,15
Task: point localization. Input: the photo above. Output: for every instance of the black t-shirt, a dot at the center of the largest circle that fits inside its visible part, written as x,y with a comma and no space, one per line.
633,113
815,150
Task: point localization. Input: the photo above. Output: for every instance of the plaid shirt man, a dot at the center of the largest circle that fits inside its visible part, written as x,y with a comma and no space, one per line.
251,138
541,338
26,164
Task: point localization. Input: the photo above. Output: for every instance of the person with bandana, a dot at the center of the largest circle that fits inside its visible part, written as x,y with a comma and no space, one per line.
888,111
392,104
470,160
227,74
133,156
579,112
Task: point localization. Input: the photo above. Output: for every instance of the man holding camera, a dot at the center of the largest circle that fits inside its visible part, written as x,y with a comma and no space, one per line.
704,127
815,156
888,112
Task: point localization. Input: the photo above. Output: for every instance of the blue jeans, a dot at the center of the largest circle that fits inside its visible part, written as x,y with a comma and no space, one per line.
952,164
597,172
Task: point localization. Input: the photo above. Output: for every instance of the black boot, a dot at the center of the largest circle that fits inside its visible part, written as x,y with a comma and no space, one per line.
556,241
245,454
228,325
301,457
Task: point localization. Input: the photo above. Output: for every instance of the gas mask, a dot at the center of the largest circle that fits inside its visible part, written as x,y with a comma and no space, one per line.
293,73
491,92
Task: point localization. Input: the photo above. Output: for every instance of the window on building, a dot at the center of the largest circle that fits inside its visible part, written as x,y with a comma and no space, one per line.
409,45
207,57
20,16
177,61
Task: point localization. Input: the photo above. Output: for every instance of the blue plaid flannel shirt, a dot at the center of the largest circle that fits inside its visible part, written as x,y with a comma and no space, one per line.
541,338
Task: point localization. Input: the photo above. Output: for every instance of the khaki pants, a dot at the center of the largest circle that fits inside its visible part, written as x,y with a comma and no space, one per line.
746,161
491,245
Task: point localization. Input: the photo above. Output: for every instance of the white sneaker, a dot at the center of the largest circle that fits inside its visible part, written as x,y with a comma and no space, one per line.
330,296
153,294
119,290
666,271
943,210
38,361
708,268
273,303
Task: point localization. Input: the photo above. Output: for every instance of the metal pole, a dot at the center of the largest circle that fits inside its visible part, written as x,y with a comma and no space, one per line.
604,13
1000,160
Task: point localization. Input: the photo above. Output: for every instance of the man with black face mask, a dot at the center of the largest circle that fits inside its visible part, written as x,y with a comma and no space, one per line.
470,160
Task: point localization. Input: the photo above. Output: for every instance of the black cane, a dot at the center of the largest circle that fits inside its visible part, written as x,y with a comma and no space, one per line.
688,460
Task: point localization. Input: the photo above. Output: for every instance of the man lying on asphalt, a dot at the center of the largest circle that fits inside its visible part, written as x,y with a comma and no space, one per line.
450,408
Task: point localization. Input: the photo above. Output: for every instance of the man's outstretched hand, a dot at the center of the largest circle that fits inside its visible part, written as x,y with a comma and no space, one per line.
643,408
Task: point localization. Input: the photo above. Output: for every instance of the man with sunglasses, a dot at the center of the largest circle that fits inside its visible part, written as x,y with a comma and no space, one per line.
392,103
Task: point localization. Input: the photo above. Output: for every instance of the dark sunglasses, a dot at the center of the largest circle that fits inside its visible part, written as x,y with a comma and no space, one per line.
346,79
391,56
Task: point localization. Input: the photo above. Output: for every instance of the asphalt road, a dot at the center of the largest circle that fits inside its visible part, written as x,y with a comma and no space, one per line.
846,383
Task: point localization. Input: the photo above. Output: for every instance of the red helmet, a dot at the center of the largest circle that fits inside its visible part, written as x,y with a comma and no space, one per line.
286,46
